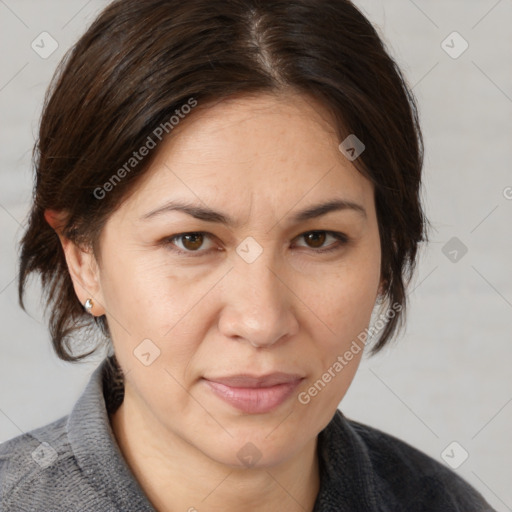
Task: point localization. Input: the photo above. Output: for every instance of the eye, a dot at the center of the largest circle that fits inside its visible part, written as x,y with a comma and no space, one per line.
190,242
316,239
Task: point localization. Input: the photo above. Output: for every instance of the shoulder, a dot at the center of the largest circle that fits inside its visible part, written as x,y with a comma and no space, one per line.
23,457
38,470
363,468
409,478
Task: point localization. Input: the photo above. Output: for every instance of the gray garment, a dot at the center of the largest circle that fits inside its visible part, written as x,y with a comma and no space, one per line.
75,464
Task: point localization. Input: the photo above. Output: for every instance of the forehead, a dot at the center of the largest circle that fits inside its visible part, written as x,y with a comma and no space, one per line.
267,150
263,122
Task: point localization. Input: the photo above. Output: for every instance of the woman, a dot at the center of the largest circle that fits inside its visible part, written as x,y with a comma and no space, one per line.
226,191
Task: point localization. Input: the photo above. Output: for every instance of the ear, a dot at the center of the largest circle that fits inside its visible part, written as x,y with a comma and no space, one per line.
82,265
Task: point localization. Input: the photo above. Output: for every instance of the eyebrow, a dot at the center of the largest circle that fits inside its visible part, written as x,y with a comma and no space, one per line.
209,215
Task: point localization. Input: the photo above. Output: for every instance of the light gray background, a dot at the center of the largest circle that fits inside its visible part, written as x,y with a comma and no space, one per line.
448,376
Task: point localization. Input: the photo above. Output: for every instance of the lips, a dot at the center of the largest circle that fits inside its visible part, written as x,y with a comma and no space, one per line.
249,381
254,394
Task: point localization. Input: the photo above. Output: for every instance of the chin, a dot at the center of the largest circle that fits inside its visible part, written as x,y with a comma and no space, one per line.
254,448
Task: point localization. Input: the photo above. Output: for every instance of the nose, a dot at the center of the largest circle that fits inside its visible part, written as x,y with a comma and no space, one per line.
258,307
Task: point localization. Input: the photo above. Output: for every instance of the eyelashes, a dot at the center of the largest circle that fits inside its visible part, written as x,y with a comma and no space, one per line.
196,239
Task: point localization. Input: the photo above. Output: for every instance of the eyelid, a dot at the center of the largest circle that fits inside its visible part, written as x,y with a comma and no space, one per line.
342,239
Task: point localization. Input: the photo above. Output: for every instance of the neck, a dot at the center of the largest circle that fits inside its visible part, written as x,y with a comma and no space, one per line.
176,476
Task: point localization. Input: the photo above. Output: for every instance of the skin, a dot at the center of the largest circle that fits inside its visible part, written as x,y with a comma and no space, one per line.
259,159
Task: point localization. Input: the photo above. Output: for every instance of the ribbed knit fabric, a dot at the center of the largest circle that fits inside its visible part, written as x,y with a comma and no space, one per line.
75,464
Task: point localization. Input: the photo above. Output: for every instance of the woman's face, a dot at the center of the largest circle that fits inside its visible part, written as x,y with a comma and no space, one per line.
196,320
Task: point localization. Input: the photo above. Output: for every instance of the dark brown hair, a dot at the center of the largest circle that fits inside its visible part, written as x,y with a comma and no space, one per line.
141,60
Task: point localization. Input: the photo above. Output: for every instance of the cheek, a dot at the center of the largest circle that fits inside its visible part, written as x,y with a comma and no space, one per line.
344,302
149,302
141,290
344,298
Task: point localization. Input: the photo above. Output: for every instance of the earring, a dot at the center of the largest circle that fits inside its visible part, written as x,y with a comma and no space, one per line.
88,305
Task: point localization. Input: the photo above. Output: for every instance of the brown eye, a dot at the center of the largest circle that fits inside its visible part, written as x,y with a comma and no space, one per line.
192,241
199,243
189,243
315,238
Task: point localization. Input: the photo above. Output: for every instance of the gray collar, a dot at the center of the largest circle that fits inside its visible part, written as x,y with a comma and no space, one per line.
96,449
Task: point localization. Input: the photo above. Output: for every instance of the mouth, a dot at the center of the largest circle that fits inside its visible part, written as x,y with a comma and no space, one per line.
254,394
